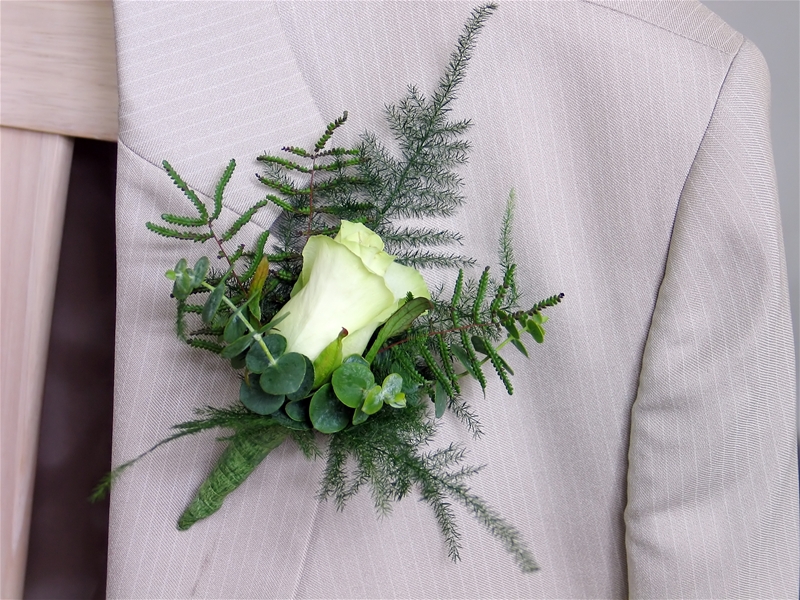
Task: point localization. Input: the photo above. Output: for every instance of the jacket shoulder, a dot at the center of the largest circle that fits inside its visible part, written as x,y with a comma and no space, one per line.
687,18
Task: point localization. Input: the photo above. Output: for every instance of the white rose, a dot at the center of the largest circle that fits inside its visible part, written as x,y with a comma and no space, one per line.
347,282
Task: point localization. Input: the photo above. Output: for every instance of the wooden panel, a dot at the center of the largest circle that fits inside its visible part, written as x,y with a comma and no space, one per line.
58,62
35,174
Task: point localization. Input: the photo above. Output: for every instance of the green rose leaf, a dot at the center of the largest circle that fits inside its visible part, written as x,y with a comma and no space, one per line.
328,360
255,399
258,361
328,415
285,376
308,383
238,346
351,382
398,322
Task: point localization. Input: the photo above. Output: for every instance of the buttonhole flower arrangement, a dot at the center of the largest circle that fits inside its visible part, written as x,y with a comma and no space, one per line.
337,341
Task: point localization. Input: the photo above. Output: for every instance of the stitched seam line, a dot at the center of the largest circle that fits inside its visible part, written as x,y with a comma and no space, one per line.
673,32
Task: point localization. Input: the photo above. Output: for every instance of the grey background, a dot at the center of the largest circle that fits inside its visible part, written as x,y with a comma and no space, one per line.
774,26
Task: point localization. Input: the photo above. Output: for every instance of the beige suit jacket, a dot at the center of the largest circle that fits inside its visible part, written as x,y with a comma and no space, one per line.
650,448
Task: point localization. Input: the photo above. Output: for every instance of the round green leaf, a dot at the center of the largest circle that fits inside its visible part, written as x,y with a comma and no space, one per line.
239,361
281,419
328,415
211,306
285,376
356,359
255,399
199,271
351,381
536,330
392,391
392,385
298,409
373,402
359,416
257,360
184,283
308,383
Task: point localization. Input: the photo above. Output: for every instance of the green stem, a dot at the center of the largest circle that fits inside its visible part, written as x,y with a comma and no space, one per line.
244,453
238,313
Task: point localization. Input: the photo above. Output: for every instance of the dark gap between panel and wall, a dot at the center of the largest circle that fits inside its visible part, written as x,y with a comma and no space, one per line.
67,552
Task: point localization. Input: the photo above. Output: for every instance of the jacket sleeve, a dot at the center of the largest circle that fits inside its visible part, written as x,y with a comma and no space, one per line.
712,508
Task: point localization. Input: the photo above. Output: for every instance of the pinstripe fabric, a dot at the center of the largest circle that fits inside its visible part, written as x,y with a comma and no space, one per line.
647,447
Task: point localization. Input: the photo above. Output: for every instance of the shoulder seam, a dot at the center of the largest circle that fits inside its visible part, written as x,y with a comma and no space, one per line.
732,53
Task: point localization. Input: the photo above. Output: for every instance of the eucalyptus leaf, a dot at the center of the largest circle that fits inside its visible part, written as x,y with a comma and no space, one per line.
286,375
308,383
238,346
257,359
520,346
298,410
392,391
538,318
234,328
213,302
327,414
409,385
351,382
536,330
440,400
505,365
359,416
373,401
283,420
463,358
272,324
355,358
182,286
239,361
511,328
256,400
199,271
479,344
